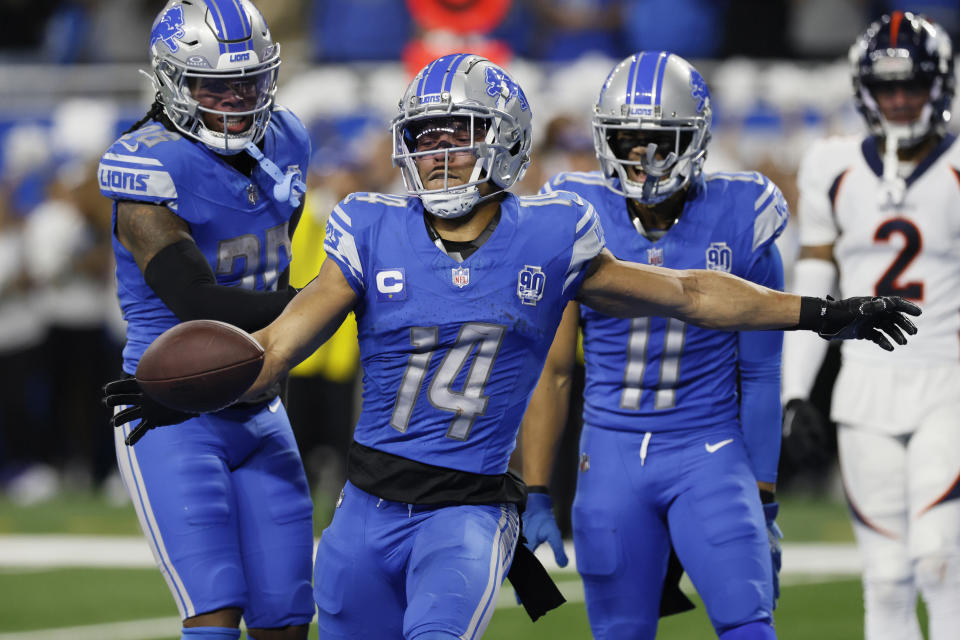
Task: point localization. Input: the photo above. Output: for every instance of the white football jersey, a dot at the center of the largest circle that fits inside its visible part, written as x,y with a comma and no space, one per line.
911,249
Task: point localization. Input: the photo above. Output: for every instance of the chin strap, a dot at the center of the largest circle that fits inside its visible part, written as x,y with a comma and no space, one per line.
894,186
289,186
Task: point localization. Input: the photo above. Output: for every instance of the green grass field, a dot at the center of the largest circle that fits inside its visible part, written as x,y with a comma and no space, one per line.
811,607
802,519
820,611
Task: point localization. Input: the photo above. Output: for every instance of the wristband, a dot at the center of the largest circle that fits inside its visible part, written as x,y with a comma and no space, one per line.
812,313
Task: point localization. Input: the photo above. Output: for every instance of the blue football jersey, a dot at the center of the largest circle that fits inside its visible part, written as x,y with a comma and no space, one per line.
241,230
451,351
654,373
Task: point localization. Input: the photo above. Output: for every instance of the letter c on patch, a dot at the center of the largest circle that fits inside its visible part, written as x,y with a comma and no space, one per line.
389,281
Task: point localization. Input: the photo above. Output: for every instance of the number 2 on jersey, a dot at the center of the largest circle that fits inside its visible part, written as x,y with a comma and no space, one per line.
467,404
888,284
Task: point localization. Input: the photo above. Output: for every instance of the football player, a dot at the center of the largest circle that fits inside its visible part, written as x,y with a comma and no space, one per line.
203,218
672,455
879,213
458,288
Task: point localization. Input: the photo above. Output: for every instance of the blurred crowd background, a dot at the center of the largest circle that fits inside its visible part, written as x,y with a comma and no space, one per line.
69,86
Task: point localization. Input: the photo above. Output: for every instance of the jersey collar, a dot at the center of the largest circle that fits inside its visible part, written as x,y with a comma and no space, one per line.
871,153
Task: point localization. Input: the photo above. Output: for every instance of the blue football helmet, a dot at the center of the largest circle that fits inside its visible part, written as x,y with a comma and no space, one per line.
207,54
903,47
462,103
656,100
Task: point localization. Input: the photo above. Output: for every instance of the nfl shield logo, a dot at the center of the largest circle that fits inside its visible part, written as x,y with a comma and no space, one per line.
655,256
584,462
252,195
719,257
460,276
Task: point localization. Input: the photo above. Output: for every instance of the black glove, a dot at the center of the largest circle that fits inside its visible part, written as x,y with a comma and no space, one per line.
859,318
151,413
806,434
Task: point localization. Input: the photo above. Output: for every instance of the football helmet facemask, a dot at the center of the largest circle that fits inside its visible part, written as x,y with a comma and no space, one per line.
461,104
651,126
910,50
215,71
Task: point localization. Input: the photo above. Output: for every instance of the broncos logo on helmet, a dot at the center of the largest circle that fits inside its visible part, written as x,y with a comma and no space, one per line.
168,28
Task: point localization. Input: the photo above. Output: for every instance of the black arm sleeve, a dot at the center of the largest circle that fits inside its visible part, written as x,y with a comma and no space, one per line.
183,280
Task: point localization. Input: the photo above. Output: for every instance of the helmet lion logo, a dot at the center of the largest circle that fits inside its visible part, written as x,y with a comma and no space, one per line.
500,84
698,89
169,28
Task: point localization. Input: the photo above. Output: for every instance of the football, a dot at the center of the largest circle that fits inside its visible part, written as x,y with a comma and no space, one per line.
199,366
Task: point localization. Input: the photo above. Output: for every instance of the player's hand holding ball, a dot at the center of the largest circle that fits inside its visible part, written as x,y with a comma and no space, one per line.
195,367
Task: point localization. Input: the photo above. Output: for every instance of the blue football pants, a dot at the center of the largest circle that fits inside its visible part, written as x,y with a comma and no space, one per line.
633,500
224,503
394,571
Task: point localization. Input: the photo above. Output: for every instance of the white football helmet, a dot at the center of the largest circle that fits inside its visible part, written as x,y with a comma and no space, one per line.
215,71
462,103
658,100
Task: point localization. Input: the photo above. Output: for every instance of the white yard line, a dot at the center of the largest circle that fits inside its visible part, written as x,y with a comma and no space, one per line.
132,552
153,628
803,563
130,630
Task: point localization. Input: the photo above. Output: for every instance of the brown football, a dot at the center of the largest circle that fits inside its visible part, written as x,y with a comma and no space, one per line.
200,366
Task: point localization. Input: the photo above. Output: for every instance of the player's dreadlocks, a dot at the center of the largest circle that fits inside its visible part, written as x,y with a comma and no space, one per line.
155,113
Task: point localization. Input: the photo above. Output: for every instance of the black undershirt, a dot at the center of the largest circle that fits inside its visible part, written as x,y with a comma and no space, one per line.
460,250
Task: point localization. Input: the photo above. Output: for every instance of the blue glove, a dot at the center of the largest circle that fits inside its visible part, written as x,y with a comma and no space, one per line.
774,536
539,526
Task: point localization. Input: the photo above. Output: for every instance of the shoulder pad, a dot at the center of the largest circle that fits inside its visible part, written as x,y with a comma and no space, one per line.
141,166
755,201
575,181
368,200
825,159
770,214
287,119
563,198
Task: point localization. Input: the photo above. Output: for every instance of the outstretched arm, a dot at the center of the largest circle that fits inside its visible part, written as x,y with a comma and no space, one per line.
710,299
307,322
717,300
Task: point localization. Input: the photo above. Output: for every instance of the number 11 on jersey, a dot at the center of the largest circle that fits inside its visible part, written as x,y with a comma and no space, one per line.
637,349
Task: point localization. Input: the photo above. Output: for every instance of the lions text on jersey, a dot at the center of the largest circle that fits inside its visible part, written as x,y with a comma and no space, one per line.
241,230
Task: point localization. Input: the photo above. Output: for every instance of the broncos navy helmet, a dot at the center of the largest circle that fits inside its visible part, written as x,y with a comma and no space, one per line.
462,103
215,70
655,101
912,50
